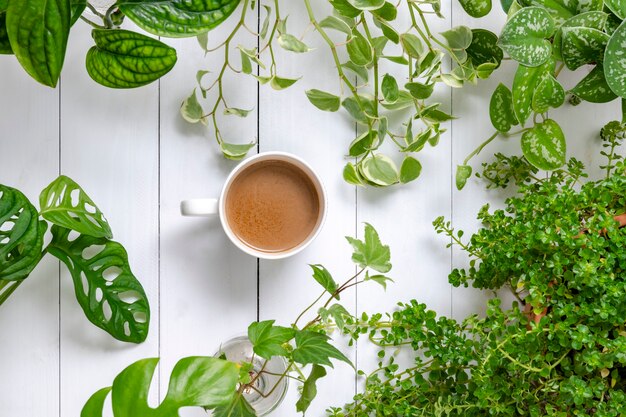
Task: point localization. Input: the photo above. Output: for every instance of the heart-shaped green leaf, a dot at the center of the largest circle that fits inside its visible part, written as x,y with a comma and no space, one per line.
420,91
234,151
501,110
594,88
5,44
65,204
615,61
594,20
525,36
291,43
463,172
582,45
345,9
323,100
195,382
544,145
177,18
354,109
367,4
125,59
618,7
410,169
412,45
21,235
524,85
484,48
549,93
389,88
359,49
476,8
379,170
267,339
105,287
38,31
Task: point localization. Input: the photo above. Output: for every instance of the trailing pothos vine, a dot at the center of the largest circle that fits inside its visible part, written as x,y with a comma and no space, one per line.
368,39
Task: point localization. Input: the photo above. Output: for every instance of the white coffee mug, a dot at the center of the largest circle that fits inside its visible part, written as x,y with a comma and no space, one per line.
206,207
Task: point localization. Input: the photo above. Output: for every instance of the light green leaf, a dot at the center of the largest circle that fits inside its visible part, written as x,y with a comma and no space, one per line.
420,91
525,36
105,287
367,4
313,348
125,59
246,65
388,31
309,390
476,8
410,169
65,204
332,22
338,314
233,111
484,48
582,46
237,407
405,100
524,85
379,279
325,279
549,93
412,45
594,88
463,173
352,107
359,71
234,151
291,43
387,12
544,145
267,339
618,7
371,253
615,61
323,100
38,31
279,83
389,88
359,49
363,143
191,110
21,236
344,8
266,21
501,110
351,175
252,54
459,37
380,170
177,18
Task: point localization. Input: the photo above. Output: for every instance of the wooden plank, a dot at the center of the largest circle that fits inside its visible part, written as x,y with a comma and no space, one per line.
29,319
109,145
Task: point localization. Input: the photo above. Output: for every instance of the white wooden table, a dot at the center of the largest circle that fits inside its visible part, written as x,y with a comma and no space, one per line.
137,159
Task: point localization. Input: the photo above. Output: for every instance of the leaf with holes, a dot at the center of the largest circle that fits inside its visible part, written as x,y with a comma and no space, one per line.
544,145
195,382
581,46
65,204
178,18
525,36
594,88
615,61
21,235
549,93
594,20
125,59
476,8
501,110
484,48
38,31
106,289
524,85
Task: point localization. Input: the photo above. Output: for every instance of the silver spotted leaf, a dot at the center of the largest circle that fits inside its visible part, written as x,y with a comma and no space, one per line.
562,10
594,88
618,7
65,204
615,61
178,18
581,46
594,20
21,235
125,59
484,48
110,295
544,145
525,36
501,110
524,85
476,8
549,93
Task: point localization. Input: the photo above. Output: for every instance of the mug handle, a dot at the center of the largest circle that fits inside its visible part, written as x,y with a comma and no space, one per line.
199,207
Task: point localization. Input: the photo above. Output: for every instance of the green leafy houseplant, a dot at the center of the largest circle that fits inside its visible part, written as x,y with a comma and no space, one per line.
544,37
558,247
106,289
368,39
219,385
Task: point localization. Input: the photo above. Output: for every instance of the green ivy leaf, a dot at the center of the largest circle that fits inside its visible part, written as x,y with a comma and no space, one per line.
544,145
313,348
371,253
21,235
463,173
237,407
525,83
280,83
379,170
615,61
323,100
525,36
549,93
65,204
410,169
125,59
351,175
582,45
501,110
594,20
325,279
359,49
234,151
195,381
177,18
267,339
309,390
594,88
345,9
389,88
618,7
105,287
484,48
476,8
291,43
38,31
191,110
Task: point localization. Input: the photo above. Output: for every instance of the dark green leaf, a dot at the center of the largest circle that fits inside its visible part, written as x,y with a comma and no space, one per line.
323,100
549,93
177,18
105,287
618,7
267,339
525,36
65,204
125,59
524,85
484,48
388,12
463,173
476,8
5,44
309,390
77,7
371,253
351,175
389,88
544,145
38,31
325,279
594,88
388,31
313,348
21,235
501,110
582,46
615,61
359,49
363,143
235,151
410,170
